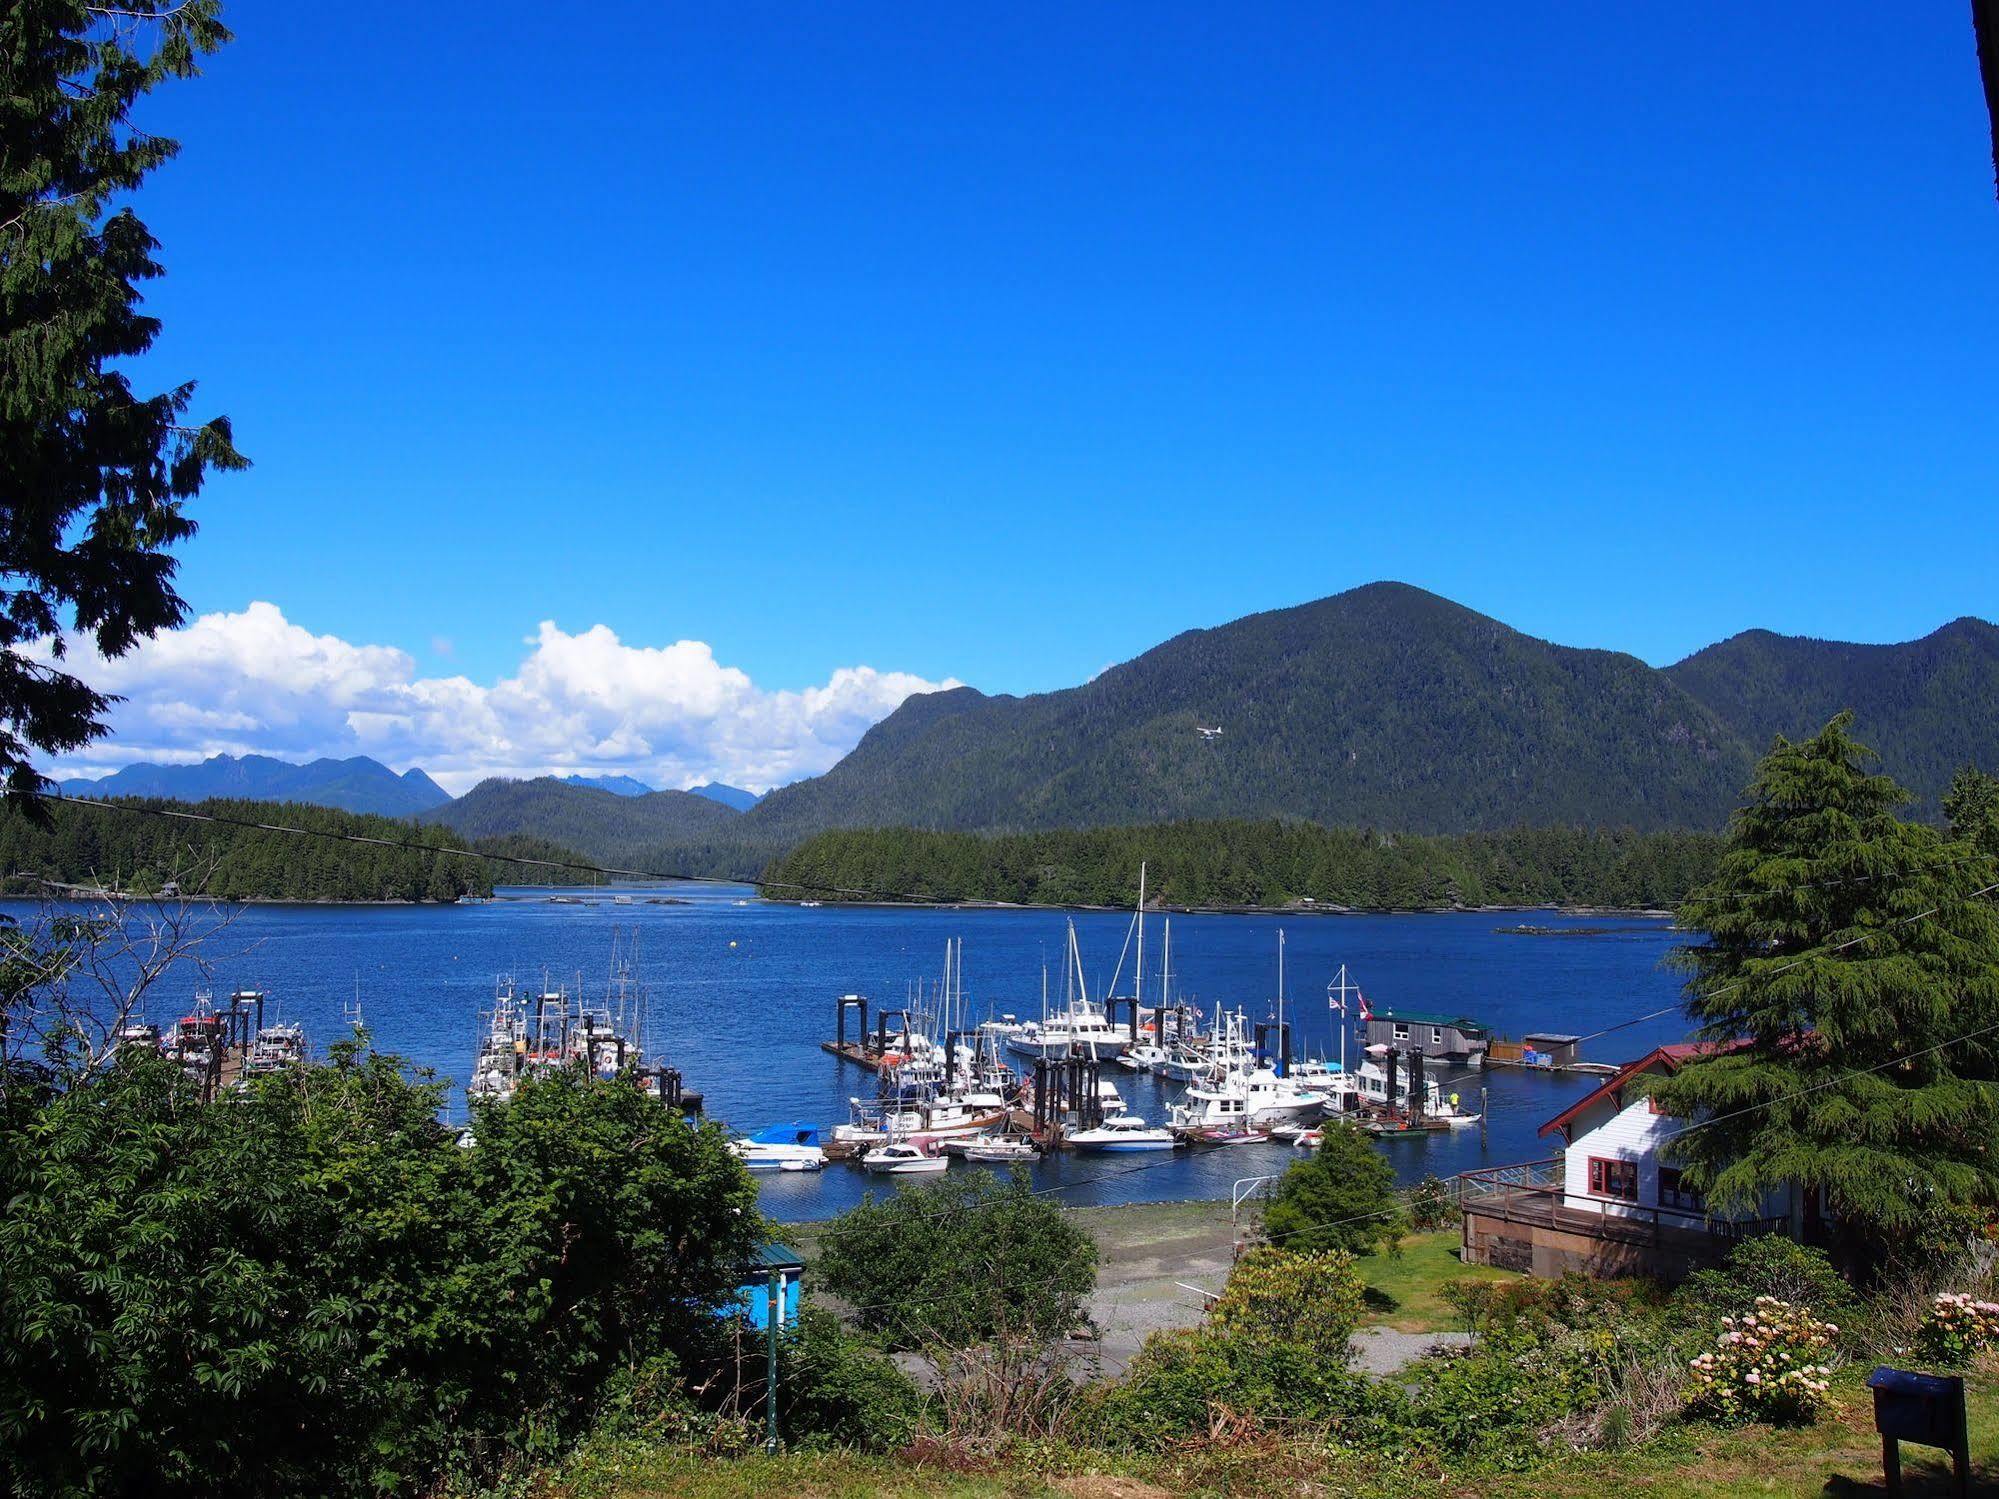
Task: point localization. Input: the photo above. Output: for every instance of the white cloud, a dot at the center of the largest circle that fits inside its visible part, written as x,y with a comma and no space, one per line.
254,682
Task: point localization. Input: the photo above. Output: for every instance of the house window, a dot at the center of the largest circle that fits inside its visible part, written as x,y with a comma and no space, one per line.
1436,1035
1675,1193
1609,1178
1401,1031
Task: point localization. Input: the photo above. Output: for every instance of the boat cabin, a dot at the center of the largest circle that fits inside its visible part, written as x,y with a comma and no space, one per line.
1456,1037
1611,1203
753,1289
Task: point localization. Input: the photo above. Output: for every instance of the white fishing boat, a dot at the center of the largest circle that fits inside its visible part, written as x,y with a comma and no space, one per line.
1078,1029
1147,1056
782,1147
992,1150
1371,1089
902,1158
1126,1132
1258,1099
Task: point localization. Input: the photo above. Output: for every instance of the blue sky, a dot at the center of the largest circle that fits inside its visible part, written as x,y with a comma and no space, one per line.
1000,344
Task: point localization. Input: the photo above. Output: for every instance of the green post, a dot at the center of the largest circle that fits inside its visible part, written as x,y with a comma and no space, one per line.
773,1321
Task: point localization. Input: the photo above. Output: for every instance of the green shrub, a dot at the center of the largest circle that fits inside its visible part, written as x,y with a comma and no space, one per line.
1182,1378
960,1261
839,1390
1308,1299
1957,1329
1772,1364
313,1288
1767,1265
1433,1205
1341,1196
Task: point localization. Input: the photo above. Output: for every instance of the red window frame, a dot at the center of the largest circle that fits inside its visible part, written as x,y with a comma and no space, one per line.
1673,1193
1608,1173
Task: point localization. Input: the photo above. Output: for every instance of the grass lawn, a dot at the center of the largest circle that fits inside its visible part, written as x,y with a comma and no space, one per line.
1416,1278
1840,1456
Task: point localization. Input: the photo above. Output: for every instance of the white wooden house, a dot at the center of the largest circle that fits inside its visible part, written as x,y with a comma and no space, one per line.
1611,1203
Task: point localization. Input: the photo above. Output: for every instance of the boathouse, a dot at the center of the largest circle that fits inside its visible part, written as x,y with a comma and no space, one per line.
1609,1204
1455,1037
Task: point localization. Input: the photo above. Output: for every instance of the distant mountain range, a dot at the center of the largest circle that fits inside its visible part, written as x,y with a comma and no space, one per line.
356,785
728,796
1393,708
1384,707
616,785
629,831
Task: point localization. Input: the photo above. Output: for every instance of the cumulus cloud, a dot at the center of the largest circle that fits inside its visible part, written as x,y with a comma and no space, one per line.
253,682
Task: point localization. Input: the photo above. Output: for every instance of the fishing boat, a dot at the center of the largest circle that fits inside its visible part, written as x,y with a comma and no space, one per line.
274,1049
782,1147
1079,1029
1126,1132
902,1158
992,1150
1255,1099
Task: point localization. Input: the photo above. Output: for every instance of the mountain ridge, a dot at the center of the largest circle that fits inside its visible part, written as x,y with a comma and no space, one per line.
356,784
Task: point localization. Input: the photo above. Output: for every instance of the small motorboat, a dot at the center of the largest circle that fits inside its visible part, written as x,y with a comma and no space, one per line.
900,1158
1308,1139
1123,1132
782,1147
998,1149
1462,1121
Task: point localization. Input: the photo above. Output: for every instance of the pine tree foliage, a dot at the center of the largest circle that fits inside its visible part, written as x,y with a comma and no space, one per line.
1849,983
93,475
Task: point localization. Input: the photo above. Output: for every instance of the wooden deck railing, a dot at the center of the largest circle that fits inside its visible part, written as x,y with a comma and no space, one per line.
1534,1193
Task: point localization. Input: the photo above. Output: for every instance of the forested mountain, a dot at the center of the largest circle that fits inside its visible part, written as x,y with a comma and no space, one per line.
1389,707
354,785
1251,864
616,785
104,846
669,830
728,796
1386,706
1927,706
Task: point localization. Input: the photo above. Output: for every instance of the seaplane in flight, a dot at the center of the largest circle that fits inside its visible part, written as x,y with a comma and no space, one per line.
1207,733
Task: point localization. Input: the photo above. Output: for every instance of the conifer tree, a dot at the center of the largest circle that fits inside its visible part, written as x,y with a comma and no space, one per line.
93,476
1849,982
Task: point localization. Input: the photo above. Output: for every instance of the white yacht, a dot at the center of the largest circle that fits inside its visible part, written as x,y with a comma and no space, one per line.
903,1159
782,1147
1254,1100
1126,1132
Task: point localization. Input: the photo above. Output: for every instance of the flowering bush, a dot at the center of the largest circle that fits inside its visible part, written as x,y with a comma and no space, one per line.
1771,1364
1958,1327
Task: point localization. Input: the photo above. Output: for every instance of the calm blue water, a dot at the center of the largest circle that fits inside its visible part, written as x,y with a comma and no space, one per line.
742,995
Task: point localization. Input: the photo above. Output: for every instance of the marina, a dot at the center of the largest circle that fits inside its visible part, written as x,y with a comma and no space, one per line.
739,1000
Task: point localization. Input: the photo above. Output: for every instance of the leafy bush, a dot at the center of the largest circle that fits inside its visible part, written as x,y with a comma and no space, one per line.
1958,1328
1433,1205
1771,1364
1184,1378
1275,1344
1309,1299
837,1389
959,1262
1341,1196
313,1288
1768,1265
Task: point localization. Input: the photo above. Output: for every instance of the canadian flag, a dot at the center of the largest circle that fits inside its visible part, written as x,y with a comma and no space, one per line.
1365,1013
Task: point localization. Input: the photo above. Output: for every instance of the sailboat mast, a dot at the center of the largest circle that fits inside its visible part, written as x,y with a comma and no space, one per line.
1283,1047
1138,984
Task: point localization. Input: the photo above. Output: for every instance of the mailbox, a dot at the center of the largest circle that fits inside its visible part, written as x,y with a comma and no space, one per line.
1925,1408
